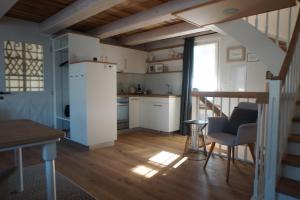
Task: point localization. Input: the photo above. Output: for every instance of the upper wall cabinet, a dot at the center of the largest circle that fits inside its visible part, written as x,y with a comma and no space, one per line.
82,47
128,60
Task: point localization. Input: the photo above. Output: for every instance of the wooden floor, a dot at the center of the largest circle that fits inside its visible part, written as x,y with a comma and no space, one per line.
125,172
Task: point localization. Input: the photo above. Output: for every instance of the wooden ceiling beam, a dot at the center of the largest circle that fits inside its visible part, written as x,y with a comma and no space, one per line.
171,31
74,13
146,18
228,10
6,5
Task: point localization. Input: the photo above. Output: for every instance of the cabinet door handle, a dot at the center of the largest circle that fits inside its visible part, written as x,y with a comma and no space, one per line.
156,105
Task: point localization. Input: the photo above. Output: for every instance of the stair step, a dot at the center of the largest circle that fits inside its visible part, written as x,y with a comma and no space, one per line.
294,148
296,119
281,196
295,129
289,187
293,160
294,138
291,172
297,109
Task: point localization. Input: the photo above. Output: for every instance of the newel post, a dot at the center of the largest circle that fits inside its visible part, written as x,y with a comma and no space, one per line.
272,143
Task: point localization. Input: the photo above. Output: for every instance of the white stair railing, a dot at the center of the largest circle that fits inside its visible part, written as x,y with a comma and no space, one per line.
275,122
277,25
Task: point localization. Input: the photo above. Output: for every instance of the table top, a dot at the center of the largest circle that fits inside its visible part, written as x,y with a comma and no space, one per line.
22,132
196,122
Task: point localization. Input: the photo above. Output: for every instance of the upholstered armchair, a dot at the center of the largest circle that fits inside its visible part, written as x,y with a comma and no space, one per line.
245,133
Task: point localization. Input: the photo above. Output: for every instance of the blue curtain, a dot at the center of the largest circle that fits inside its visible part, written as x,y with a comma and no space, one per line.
187,79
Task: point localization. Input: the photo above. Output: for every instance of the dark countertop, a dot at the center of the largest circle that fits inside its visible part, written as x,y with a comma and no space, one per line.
150,95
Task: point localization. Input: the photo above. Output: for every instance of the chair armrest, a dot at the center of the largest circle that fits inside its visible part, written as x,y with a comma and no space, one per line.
216,124
246,134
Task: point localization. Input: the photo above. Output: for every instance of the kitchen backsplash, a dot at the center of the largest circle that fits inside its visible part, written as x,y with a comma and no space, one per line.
157,83
125,81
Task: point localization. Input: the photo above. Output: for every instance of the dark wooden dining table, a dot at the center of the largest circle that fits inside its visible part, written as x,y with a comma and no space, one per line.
18,134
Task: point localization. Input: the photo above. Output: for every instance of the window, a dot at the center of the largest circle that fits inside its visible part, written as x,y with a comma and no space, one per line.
205,67
24,67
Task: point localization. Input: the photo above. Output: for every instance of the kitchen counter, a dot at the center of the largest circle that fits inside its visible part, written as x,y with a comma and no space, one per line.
150,95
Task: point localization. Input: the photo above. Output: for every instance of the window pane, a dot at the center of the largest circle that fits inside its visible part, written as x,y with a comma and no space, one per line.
205,67
24,66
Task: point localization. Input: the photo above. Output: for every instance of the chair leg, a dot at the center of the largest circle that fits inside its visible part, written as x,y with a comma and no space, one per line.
209,153
228,163
252,149
233,152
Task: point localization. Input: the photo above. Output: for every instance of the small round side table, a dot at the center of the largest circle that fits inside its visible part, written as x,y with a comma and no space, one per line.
195,137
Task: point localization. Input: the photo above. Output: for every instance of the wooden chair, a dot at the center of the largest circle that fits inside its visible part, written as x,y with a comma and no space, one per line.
246,135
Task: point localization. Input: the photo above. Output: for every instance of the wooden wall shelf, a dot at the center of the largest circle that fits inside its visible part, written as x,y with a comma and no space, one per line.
164,72
167,47
164,60
130,73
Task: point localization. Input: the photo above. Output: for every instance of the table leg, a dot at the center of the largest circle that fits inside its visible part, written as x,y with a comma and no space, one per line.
194,141
19,166
49,155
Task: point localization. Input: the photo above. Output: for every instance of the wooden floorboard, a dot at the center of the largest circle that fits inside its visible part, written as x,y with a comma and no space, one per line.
107,173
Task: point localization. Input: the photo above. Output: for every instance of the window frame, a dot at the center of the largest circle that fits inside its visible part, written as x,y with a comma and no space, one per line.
24,78
216,40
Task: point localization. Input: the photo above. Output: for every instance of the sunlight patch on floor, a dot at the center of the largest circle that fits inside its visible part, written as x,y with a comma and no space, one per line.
180,162
144,171
164,158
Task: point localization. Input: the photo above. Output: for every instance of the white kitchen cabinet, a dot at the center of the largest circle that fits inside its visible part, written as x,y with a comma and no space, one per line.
134,112
135,61
128,60
113,54
161,114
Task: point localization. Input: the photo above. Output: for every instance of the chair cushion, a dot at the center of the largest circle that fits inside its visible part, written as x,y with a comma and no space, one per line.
222,138
238,117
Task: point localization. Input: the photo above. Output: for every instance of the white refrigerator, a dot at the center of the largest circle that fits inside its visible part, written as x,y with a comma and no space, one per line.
93,108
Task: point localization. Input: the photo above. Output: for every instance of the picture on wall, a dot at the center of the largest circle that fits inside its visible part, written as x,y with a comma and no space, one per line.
252,57
236,53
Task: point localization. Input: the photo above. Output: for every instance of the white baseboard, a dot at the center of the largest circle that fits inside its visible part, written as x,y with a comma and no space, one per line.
102,145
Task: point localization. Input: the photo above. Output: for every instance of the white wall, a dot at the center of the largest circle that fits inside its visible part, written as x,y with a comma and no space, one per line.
232,76
247,76
29,105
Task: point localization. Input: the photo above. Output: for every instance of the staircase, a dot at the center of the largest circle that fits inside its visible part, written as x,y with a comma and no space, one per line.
290,179
267,35
277,173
